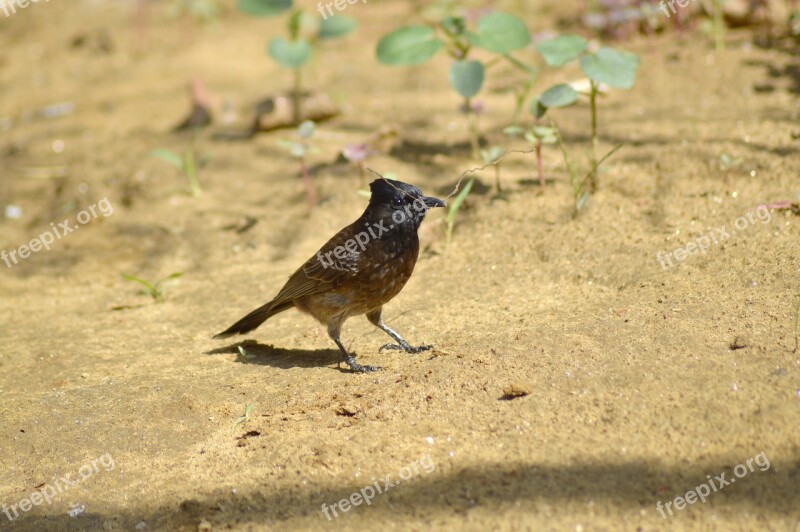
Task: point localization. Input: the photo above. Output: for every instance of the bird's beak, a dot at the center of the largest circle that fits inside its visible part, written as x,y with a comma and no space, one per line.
432,202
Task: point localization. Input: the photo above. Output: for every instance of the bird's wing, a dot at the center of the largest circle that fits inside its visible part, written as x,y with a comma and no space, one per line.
322,272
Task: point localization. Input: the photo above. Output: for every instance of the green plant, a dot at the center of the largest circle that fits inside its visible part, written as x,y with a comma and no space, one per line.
243,355
606,66
452,211
719,24
579,185
186,164
726,162
305,32
298,149
497,33
154,290
536,136
243,418
492,156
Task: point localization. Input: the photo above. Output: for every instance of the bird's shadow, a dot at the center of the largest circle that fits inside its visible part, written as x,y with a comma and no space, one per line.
269,355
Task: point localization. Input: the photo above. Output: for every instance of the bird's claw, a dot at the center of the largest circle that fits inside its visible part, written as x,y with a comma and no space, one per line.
403,346
355,367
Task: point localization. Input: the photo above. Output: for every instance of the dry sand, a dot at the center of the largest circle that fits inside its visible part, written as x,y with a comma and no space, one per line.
640,381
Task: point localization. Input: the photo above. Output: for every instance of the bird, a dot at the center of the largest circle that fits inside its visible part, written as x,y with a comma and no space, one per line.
358,271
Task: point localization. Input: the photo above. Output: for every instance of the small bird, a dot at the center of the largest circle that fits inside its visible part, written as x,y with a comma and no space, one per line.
357,271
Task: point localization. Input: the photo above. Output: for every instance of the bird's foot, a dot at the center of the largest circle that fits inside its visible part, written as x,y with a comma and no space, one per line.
404,346
355,367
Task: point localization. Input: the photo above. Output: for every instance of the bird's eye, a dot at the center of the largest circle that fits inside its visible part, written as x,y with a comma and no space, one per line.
397,202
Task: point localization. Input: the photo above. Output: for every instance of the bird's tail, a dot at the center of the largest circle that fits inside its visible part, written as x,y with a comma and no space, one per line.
255,318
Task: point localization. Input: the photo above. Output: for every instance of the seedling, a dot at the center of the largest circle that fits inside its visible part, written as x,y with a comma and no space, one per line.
298,150
726,162
536,136
154,290
244,356
496,33
492,156
580,190
305,32
243,418
186,164
607,66
455,206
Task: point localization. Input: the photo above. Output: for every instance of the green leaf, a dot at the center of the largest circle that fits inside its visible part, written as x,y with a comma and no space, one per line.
410,45
241,419
466,77
561,50
537,109
306,129
169,157
243,355
492,155
295,149
546,135
289,54
451,214
501,33
337,26
559,95
166,280
263,8
513,131
613,67
150,289
454,25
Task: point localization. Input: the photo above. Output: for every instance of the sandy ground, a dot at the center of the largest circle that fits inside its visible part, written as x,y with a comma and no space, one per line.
640,380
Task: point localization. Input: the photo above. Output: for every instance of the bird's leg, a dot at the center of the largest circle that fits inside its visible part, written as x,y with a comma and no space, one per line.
375,318
355,367
401,344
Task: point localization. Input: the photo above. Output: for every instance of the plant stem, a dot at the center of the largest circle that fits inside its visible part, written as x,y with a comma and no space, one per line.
593,162
191,171
497,176
719,25
539,164
520,98
307,182
296,97
473,129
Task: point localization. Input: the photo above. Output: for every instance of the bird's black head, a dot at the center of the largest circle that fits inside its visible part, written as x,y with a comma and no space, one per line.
401,202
